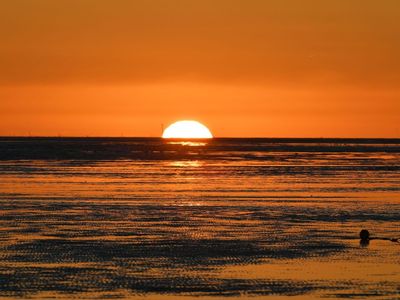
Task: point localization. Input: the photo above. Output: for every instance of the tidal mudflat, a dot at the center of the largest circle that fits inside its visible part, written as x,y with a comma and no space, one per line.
246,218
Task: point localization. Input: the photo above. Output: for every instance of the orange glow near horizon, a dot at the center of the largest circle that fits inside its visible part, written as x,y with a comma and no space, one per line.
245,68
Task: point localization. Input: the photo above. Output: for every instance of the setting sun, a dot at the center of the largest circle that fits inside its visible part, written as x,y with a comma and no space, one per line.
187,130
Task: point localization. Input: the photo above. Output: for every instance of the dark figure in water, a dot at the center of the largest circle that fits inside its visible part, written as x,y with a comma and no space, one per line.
365,238
364,235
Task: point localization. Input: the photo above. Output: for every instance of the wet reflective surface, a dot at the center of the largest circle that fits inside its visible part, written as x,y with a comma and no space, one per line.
147,218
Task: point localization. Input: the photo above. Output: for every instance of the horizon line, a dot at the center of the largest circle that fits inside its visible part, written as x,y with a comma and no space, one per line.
215,137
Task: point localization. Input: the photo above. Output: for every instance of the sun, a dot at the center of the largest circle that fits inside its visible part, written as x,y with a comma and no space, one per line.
187,130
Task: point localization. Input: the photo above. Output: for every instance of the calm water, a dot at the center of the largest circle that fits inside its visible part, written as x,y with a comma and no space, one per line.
247,218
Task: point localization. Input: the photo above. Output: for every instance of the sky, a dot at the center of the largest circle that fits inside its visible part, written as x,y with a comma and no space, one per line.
244,68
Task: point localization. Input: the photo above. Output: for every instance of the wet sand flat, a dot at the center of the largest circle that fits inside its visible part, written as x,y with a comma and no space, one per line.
228,218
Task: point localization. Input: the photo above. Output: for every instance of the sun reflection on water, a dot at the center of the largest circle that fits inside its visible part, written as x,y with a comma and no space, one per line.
186,164
188,143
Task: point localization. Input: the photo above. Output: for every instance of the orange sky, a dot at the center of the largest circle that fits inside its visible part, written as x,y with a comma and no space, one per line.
283,68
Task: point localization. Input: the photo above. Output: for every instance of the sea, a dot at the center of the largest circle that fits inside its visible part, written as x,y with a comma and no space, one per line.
150,218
